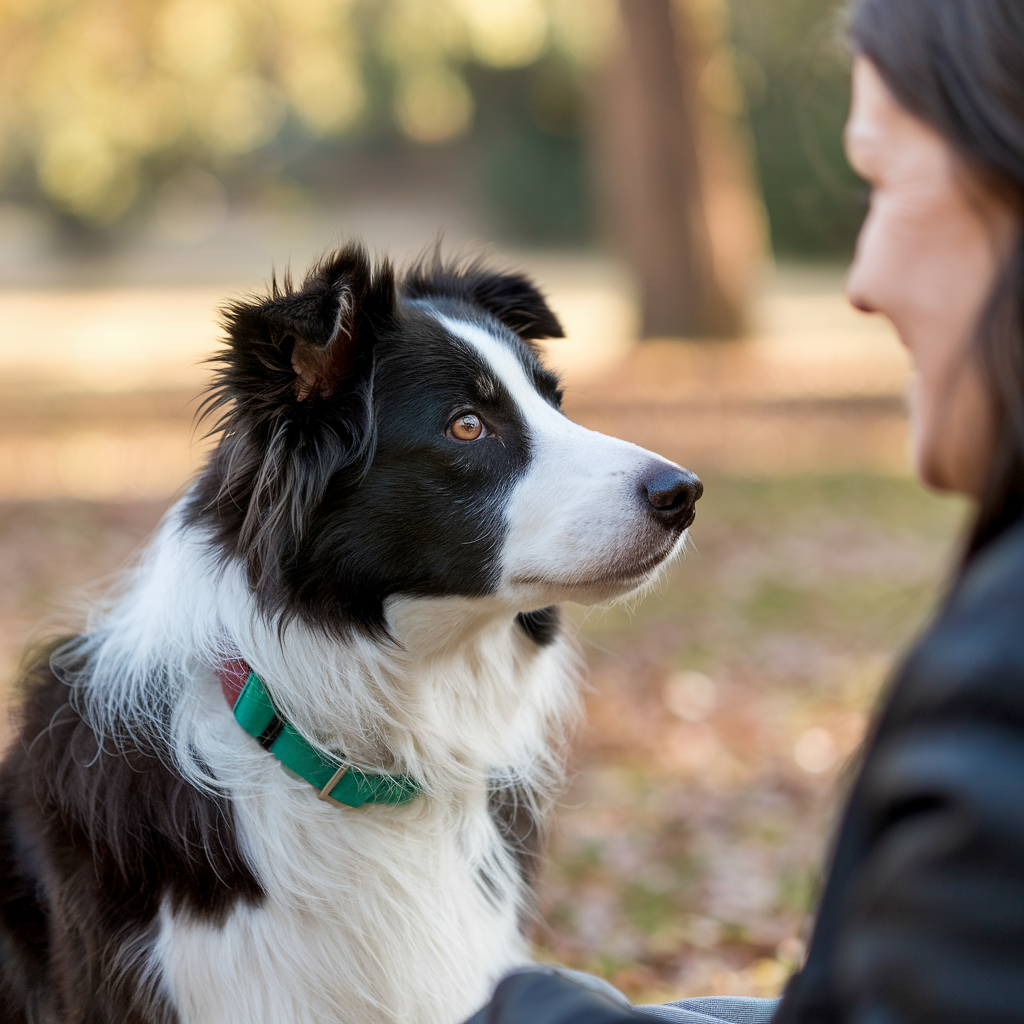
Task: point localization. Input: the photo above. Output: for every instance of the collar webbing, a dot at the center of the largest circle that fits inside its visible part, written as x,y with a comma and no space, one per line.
337,780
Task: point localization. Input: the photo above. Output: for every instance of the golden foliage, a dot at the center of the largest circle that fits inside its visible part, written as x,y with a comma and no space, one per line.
90,90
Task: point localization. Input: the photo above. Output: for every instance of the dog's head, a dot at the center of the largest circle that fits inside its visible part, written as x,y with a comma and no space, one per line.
383,439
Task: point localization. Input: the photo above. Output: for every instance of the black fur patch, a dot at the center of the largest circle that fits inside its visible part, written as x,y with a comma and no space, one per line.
542,625
524,832
92,841
268,737
337,485
512,299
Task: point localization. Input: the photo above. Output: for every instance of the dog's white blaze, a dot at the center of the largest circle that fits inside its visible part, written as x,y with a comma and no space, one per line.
371,915
577,523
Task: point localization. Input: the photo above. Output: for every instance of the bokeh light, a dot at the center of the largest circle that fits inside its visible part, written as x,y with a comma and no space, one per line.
507,34
433,104
102,101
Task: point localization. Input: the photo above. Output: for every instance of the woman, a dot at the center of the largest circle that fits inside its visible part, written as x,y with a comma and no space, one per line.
922,917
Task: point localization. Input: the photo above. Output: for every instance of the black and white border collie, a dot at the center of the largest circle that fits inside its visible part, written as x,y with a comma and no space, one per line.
395,507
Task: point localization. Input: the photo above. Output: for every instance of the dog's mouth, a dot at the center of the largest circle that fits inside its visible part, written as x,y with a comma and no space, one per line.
617,578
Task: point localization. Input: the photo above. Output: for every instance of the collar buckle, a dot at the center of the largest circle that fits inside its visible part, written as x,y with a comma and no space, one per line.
325,793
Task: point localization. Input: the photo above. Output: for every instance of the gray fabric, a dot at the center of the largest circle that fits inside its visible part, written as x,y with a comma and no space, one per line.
714,1010
553,994
588,981
671,1012
700,1010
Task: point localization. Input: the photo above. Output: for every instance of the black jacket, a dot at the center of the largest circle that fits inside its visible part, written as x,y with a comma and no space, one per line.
922,916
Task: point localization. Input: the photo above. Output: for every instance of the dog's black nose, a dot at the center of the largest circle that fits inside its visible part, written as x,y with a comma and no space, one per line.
672,494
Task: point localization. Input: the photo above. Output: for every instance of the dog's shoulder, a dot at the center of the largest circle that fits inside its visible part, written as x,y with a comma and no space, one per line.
96,835
113,813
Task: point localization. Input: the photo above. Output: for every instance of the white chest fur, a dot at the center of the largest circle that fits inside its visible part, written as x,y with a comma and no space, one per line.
377,914
372,915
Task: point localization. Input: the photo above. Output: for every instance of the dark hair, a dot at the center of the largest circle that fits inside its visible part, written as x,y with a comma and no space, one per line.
958,65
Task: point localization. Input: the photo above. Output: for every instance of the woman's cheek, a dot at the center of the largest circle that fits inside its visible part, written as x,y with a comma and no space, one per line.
952,425
922,441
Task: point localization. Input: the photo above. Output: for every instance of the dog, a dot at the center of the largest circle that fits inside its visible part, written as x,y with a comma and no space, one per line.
298,768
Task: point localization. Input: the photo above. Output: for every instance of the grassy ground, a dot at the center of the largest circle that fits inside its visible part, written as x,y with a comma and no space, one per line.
724,706
53,555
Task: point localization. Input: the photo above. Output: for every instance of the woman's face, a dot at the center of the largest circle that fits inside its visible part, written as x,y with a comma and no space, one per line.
927,259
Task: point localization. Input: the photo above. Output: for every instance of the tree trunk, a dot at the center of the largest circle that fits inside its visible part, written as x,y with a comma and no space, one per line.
650,133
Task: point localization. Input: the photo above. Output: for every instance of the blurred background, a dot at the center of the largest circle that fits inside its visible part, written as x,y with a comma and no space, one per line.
671,172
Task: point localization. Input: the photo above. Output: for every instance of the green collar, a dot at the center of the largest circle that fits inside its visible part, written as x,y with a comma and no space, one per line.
338,782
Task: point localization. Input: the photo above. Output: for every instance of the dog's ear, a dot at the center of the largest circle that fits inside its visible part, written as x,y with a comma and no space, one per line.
517,302
318,326
294,393
511,298
300,345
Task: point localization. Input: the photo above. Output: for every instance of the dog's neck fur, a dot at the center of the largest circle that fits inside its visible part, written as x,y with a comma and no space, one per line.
456,689
458,698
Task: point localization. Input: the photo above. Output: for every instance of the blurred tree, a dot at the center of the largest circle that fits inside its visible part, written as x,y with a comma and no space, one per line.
112,107
670,156
531,150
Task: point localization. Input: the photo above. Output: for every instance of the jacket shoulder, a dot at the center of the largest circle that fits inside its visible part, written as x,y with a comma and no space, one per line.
971,662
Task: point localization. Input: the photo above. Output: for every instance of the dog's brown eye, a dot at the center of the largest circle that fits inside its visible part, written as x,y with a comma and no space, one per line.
466,428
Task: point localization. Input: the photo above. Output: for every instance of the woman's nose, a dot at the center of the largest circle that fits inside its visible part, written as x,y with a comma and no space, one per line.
855,290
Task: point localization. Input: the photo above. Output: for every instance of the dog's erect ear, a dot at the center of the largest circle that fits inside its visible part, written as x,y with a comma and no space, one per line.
305,343
517,302
510,298
319,324
295,402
